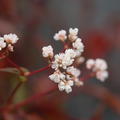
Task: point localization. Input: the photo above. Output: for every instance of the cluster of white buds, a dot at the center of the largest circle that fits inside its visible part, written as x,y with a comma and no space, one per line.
7,41
61,35
64,63
65,75
47,51
2,43
99,67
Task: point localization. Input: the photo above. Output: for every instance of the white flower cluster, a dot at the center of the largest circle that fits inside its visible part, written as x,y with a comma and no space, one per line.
61,35
73,34
65,74
66,79
47,51
99,66
7,41
2,43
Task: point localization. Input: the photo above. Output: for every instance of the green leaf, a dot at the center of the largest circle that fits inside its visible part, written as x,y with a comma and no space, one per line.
13,70
10,70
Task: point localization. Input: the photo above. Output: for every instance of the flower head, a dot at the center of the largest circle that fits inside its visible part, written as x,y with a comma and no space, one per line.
73,34
102,75
73,31
79,83
70,52
8,41
78,45
57,76
73,71
47,51
62,60
80,60
90,63
99,66
2,43
61,35
11,38
66,86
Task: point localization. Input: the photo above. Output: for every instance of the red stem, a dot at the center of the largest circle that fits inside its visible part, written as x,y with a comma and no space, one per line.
15,65
38,95
33,98
39,70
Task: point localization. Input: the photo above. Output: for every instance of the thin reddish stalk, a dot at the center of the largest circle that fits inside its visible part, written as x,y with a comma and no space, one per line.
15,65
33,98
38,95
39,70
9,101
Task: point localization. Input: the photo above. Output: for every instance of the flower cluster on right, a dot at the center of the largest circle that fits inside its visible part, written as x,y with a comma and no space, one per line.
66,63
99,67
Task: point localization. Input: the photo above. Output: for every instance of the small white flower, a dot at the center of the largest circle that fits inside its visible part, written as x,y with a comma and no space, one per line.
78,45
61,86
57,76
59,57
100,64
78,53
79,82
62,60
47,51
66,86
102,75
73,34
67,61
70,82
58,60
54,65
71,53
73,31
73,71
80,60
68,89
61,35
2,43
11,38
10,48
90,63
